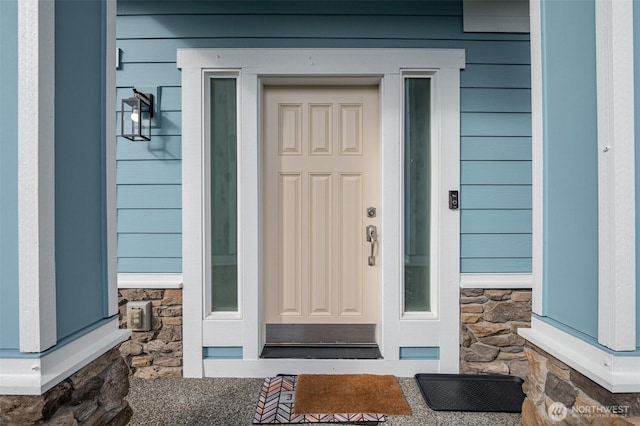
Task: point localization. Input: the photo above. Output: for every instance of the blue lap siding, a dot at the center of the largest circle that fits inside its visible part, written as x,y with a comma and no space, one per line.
495,117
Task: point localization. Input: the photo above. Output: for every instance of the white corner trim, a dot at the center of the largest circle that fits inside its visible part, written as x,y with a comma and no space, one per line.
34,376
613,372
36,175
496,281
537,157
150,280
616,175
510,16
192,220
110,138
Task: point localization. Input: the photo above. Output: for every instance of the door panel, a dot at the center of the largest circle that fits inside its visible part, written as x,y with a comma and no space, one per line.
290,190
320,147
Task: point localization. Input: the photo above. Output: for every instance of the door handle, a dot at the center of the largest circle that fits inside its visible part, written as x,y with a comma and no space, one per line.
372,237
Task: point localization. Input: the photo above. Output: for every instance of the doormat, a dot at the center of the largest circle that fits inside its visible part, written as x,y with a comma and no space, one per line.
277,400
362,393
470,392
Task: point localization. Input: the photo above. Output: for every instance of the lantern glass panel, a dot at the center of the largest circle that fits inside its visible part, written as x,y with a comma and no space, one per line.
145,120
136,119
130,118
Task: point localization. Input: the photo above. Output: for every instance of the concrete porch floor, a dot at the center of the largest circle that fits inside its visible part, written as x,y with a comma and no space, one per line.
231,402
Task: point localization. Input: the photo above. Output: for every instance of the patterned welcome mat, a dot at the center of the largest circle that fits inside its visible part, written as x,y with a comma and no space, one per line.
277,399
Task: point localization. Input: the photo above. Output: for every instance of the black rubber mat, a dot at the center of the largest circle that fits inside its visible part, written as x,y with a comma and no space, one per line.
315,352
470,392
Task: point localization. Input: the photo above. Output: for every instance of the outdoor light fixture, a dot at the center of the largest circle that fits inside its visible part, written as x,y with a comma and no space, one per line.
137,112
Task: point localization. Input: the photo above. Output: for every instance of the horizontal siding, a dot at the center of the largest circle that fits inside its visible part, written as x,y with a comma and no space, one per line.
146,264
495,148
297,7
495,124
476,51
150,196
304,25
161,147
170,98
508,197
493,264
495,103
495,221
149,172
495,172
497,76
150,220
495,245
150,245
502,100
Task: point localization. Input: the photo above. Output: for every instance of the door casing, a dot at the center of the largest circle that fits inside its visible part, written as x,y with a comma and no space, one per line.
387,67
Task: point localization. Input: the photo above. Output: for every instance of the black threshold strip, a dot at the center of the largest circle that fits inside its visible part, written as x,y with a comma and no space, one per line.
321,352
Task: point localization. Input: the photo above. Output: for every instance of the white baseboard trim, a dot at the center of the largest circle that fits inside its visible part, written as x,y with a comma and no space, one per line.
34,376
495,281
615,373
149,280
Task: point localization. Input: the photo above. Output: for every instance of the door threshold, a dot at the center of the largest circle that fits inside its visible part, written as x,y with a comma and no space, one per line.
321,351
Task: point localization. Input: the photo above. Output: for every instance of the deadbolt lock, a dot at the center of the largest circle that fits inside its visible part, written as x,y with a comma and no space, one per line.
371,212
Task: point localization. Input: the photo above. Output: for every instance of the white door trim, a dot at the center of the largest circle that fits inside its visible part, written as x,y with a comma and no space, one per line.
252,67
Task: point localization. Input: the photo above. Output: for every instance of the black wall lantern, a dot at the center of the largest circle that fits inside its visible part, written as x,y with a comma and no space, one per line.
137,112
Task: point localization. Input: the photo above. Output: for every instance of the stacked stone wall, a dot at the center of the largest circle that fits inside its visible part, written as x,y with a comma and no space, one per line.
94,395
559,395
489,341
158,352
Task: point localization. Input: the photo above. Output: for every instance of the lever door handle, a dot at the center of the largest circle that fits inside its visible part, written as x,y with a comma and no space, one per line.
372,237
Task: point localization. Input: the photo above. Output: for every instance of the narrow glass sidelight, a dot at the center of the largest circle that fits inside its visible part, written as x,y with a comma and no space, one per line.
224,197
417,194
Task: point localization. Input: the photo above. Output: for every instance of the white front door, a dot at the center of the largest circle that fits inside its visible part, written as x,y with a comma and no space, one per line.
320,176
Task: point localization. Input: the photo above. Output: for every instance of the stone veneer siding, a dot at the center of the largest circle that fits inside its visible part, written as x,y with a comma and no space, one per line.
489,341
155,353
550,381
94,395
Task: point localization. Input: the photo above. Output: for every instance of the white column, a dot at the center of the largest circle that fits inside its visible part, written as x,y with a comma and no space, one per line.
36,177
616,175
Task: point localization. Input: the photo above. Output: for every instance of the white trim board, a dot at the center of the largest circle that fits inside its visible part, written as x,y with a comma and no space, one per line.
36,175
273,367
110,149
34,376
537,160
253,68
616,175
149,280
496,281
614,373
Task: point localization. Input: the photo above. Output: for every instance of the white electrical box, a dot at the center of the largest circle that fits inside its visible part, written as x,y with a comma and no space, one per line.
139,316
